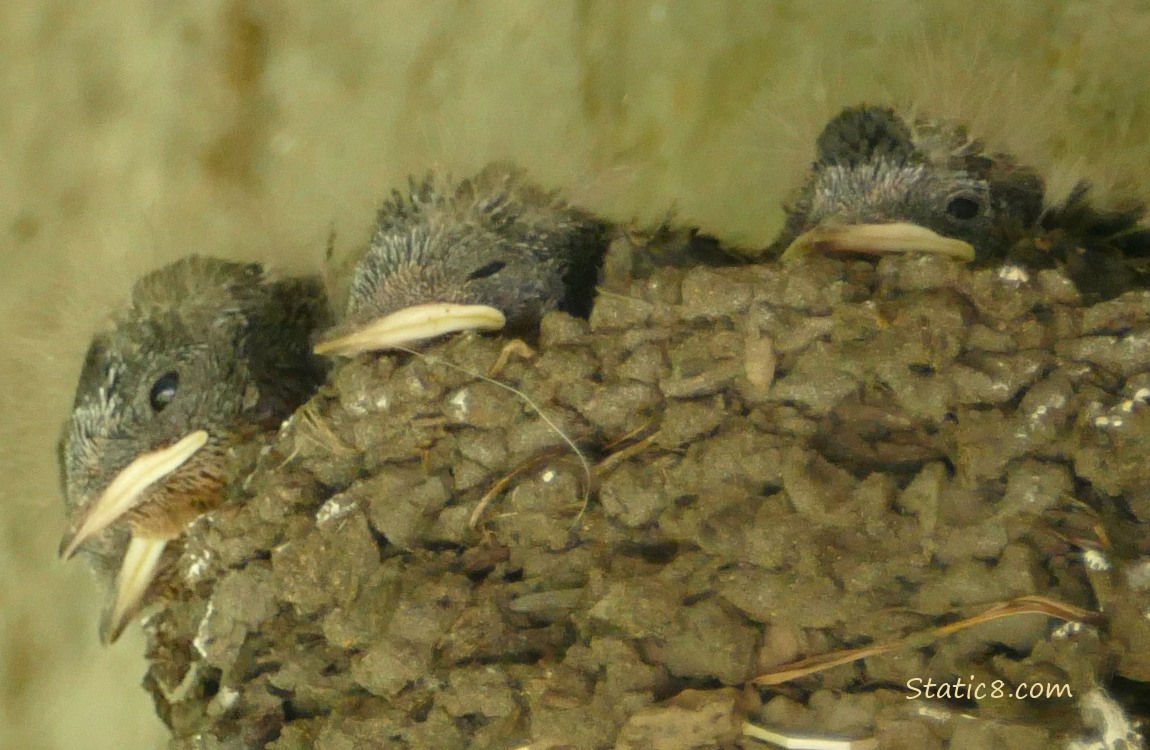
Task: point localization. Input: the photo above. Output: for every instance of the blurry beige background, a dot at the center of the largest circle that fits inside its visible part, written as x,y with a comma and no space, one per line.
135,132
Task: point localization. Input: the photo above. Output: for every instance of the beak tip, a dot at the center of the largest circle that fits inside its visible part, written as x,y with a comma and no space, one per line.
111,629
327,348
68,547
142,561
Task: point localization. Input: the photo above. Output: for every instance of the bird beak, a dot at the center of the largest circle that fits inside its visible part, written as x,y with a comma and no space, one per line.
899,237
412,324
135,576
125,490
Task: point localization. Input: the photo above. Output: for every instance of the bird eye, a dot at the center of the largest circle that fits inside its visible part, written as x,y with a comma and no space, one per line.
490,269
163,391
963,207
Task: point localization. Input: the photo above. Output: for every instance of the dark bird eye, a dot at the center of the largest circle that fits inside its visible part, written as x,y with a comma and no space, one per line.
490,269
963,207
163,391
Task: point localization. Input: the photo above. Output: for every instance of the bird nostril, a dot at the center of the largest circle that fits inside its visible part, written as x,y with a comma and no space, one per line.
163,391
963,208
490,269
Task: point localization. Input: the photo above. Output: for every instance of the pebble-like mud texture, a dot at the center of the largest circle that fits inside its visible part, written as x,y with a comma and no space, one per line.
785,462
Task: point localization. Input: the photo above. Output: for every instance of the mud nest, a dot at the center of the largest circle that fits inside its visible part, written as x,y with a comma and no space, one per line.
779,464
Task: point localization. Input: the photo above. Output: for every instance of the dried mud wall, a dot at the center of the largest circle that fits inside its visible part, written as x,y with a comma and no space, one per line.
415,562
133,134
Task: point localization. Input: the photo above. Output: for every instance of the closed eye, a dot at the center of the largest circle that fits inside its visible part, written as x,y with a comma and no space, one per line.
490,269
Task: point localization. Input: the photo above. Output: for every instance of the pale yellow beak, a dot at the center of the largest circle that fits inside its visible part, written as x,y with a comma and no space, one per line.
136,574
900,237
125,490
413,324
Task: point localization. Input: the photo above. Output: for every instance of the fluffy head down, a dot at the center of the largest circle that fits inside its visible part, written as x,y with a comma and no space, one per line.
493,239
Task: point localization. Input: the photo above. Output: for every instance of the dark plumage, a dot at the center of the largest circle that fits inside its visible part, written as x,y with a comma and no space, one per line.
1106,251
881,184
207,353
489,251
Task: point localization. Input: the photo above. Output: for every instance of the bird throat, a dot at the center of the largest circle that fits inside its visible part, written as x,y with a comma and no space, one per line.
176,500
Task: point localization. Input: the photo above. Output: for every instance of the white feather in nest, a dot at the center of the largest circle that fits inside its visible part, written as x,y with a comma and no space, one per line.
636,109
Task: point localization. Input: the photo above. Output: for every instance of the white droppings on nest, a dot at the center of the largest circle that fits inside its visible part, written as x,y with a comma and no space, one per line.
1066,630
1116,730
334,509
1056,401
1096,560
1014,274
226,697
1140,396
461,403
416,383
356,408
200,642
198,566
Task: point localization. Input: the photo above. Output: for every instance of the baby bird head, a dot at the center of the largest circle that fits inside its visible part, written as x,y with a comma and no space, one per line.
879,184
488,252
207,353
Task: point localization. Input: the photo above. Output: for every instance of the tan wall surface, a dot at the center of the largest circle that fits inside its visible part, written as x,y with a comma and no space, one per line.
135,132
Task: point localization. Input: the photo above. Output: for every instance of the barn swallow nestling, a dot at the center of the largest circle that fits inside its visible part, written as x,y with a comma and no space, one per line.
881,185
207,353
485,253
